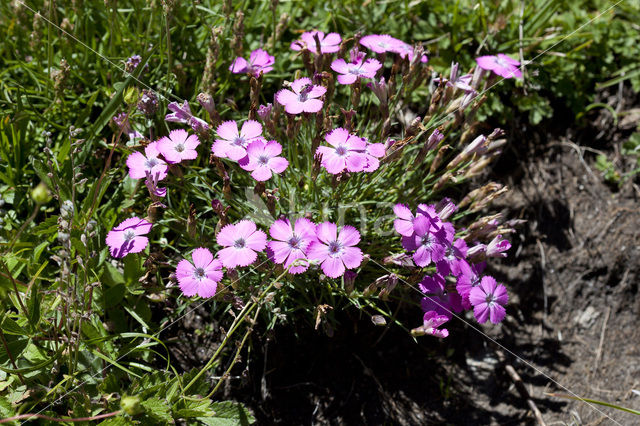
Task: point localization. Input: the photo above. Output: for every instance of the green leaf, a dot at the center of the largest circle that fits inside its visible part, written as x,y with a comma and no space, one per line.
228,413
33,307
157,409
118,421
9,326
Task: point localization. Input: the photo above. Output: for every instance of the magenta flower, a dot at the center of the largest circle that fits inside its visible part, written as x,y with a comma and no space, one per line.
233,144
454,255
140,164
352,71
462,82
241,242
262,160
290,243
329,43
469,278
127,237
200,277
497,247
178,146
182,114
302,97
372,152
438,299
336,252
500,64
259,62
122,121
381,43
488,300
346,151
431,321
404,223
428,241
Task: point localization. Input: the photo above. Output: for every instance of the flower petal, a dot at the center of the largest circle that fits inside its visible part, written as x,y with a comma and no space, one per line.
202,257
228,130
327,232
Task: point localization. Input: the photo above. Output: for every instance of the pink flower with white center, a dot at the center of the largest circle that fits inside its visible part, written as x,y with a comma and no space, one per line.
372,152
259,62
178,146
381,43
352,71
346,151
291,244
500,64
140,164
438,299
431,321
329,43
334,251
303,97
127,237
428,241
233,144
200,277
468,279
241,242
262,160
488,300
454,255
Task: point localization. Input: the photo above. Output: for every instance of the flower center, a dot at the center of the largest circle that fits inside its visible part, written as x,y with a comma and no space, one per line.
151,163
335,248
355,69
263,159
294,242
489,299
304,93
341,150
450,255
239,243
180,147
239,141
427,240
199,273
129,235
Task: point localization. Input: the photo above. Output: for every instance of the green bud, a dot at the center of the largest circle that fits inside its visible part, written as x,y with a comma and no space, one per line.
131,405
40,194
131,96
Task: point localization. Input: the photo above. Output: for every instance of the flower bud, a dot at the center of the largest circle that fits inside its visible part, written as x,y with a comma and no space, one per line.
131,405
131,96
41,194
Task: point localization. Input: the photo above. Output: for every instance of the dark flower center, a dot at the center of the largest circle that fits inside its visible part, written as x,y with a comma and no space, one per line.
294,242
239,141
304,93
335,248
239,243
263,159
180,147
199,273
489,299
427,240
151,163
129,235
341,150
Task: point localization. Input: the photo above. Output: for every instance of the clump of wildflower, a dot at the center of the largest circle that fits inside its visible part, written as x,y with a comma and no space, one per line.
263,159
259,62
242,242
127,237
200,277
336,252
148,103
291,243
357,68
428,241
148,163
303,97
500,64
233,143
488,300
437,298
132,63
178,146
329,43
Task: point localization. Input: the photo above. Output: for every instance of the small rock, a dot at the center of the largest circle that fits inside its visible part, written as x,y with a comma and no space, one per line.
586,318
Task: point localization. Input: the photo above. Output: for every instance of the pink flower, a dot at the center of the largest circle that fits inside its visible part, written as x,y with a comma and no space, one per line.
381,43
428,241
329,43
431,321
259,62
127,237
352,71
241,242
468,279
500,64
122,121
404,223
372,152
488,300
262,160
454,256
178,146
336,252
438,299
200,277
233,144
182,114
140,164
302,97
291,244
346,151
497,247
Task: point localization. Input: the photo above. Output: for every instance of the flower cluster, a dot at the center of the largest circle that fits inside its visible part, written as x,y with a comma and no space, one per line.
432,241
